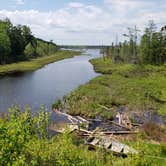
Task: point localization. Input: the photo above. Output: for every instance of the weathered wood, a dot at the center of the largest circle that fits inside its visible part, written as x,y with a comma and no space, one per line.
86,132
136,124
95,120
124,120
82,119
114,146
120,125
121,132
70,118
97,138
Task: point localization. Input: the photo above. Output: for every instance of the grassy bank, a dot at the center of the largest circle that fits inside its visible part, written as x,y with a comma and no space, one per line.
137,88
35,63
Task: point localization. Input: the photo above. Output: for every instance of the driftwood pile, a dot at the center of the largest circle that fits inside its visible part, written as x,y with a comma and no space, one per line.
100,135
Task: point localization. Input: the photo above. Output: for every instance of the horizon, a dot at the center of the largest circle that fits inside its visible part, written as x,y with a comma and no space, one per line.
80,22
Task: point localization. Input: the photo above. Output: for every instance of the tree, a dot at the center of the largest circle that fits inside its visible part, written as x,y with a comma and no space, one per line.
133,36
4,42
152,47
17,40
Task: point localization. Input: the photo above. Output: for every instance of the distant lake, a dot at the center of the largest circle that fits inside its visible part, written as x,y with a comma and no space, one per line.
44,86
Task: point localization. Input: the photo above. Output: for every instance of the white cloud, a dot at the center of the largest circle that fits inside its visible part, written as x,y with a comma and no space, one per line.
79,23
19,2
75,4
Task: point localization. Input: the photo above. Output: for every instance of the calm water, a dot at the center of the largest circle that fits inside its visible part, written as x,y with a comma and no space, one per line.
44,86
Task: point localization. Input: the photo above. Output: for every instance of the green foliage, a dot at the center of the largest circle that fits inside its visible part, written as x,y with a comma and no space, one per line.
17,130
40,48
17,40
150,50
57,105
86,100
149,154
4,42
17,43
23,141
138,88
36,63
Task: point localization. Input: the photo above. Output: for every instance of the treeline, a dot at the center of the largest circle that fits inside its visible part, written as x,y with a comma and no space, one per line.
83,46
17,43
150,48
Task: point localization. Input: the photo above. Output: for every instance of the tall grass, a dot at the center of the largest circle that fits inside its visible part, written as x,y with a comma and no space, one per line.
137,88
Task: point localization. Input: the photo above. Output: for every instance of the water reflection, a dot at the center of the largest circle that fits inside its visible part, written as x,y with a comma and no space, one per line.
47,84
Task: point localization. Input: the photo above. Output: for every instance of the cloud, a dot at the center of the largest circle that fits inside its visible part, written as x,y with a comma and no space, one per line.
79,23
76,4
19,2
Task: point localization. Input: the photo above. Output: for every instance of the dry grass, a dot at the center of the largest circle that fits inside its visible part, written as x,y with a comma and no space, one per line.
155,131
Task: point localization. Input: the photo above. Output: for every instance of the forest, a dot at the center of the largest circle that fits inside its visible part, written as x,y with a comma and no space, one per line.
149,48
17,43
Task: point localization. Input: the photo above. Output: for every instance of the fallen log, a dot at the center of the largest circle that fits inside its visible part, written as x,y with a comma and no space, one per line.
82,119
70,118
107,143
95,120
120,125
107,133
136,124
120,132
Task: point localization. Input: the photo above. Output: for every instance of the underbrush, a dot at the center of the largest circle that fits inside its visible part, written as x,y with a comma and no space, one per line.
150,154
24,141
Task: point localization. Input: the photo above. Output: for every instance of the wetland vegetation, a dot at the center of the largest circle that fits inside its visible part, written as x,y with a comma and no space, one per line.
133,79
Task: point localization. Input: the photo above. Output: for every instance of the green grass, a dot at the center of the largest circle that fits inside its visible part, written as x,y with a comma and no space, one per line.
35,63
138,88
24,141
149,154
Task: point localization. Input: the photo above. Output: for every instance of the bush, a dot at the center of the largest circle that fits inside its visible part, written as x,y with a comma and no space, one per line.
23,141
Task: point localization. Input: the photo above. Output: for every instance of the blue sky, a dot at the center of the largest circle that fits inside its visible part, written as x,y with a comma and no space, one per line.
42,5
83,21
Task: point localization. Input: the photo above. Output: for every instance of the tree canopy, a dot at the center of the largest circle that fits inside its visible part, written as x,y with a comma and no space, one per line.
14,39
150,50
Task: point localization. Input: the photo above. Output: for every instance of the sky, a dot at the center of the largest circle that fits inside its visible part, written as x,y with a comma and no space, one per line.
83,22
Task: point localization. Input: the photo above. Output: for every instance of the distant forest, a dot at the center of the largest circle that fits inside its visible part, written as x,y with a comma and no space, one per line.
84,46
150,48
17,43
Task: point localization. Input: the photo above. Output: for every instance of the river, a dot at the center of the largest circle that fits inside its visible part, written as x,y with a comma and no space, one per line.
44,86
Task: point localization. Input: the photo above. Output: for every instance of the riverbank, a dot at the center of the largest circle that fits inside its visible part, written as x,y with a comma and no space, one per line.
36,63
140,92
130,87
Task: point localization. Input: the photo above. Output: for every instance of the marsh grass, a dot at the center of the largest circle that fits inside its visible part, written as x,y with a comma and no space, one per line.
138,88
